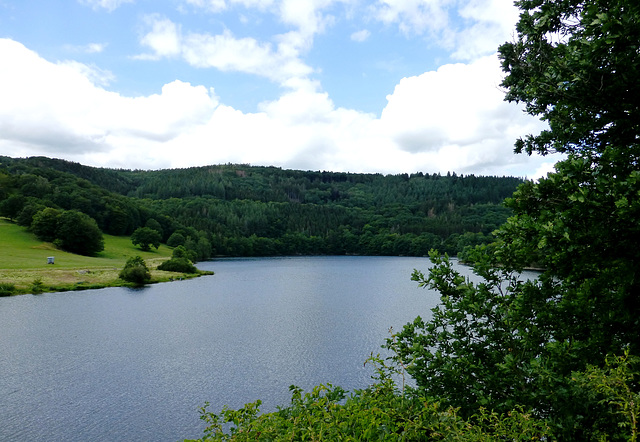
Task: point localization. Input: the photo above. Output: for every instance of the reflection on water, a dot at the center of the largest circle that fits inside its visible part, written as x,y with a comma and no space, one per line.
122,364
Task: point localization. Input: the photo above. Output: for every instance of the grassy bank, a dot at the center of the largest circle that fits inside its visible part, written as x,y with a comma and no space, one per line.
23,261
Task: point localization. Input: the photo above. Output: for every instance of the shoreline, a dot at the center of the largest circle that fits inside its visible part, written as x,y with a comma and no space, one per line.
36,281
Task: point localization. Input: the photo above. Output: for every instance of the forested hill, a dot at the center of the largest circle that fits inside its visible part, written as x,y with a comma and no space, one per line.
249,210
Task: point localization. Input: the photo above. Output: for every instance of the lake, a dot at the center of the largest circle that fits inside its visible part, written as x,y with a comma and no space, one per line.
135,364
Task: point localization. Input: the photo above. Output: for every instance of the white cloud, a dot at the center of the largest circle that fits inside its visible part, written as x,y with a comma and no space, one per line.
109,5
164,38
493,23
226,52
361,36
458,113
469,28
93,73
414,16
306,15
452,119
54,108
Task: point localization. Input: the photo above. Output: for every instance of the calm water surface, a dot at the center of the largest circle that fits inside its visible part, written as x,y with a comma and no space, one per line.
121,364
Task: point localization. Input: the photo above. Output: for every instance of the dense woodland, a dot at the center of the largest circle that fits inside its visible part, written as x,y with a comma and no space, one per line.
242,210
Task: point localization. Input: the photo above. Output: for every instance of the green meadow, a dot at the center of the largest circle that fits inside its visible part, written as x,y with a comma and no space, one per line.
23,261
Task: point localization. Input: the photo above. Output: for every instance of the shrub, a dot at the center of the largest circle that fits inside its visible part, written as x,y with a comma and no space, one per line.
135,271
37,286
182,265
7,289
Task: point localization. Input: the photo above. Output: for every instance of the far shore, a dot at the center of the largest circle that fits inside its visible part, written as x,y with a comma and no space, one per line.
25,268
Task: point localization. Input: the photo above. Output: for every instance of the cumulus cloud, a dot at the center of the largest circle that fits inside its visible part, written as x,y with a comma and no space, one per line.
492,23
226,52
54,108
452,119
458,113
93,73
469,28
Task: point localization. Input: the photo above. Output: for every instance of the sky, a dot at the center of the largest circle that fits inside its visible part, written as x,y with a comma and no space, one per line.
378,86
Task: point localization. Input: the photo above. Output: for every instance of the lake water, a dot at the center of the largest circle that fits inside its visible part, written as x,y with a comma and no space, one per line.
121,364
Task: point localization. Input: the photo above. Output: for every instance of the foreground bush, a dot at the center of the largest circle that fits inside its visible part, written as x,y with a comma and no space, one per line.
383,412
380,412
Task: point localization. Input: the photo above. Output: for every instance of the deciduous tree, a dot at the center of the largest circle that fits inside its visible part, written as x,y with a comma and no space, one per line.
145,237
78,233
505,341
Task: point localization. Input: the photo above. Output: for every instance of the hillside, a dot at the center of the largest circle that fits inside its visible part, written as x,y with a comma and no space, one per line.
242,210
23,260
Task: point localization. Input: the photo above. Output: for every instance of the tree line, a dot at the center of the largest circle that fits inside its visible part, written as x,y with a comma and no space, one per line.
242,210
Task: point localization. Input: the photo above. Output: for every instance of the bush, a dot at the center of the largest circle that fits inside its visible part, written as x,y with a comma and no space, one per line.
378,413
135,271
7,289
37,286
182,265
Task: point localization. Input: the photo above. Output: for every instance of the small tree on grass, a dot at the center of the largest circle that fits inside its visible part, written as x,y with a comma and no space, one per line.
135,271
78,233
145,237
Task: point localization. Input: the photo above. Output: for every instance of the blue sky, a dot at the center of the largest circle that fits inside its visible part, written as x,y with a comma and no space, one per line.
384,86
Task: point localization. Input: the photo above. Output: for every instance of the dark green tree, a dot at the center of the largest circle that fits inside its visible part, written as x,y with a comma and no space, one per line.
506,341
155,225
78,233
12,206
176,239
25,218
45,224
145,237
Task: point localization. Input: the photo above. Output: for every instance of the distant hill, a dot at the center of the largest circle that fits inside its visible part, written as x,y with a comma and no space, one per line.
239,210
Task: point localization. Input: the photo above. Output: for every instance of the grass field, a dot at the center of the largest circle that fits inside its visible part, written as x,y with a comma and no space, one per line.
23,260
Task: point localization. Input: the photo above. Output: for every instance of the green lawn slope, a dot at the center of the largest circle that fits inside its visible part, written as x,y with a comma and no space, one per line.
23,260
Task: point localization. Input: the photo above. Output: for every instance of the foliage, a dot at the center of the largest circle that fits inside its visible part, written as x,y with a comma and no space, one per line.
181,261
182,265
37,286
576,64
136,271
241,210
45,224
145,237
7,289
504,341
377,413
617,386
176,239
78,233
69,230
